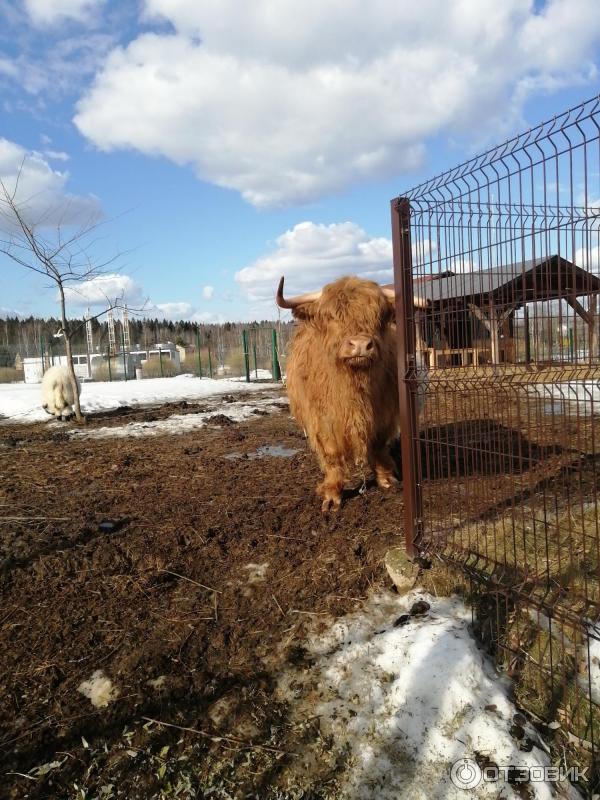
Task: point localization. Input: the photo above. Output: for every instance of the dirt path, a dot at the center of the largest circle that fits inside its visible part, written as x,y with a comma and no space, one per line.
190,604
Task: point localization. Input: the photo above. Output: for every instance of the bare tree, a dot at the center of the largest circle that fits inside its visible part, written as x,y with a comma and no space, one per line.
58,251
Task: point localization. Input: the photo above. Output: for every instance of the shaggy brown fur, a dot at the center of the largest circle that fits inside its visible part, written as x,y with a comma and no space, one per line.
348,407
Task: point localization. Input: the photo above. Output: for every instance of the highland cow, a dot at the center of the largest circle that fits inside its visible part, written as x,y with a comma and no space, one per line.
342,379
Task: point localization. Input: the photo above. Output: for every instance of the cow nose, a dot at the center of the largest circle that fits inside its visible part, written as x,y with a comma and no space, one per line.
361,345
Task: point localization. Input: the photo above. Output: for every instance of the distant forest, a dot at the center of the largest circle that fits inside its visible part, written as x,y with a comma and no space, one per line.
26,337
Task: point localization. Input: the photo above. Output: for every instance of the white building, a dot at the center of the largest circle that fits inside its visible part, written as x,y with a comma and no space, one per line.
33,368
168,351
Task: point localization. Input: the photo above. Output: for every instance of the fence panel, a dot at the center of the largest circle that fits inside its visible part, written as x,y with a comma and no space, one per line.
257,352
501,468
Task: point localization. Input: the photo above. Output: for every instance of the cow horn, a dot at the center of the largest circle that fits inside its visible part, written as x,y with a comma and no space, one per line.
390,293
292,302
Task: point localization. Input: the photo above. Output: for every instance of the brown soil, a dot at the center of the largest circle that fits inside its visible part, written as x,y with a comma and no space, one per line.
165,591
144,558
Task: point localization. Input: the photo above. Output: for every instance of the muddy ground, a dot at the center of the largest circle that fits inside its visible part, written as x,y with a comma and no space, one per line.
166,602
189,571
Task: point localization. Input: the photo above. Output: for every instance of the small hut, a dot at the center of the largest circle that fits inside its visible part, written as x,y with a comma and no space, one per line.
471,316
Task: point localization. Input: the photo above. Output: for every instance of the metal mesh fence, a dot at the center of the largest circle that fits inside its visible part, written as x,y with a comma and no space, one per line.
256,352
500,467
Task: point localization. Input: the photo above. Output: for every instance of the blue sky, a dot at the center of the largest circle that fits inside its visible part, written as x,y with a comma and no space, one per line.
226,143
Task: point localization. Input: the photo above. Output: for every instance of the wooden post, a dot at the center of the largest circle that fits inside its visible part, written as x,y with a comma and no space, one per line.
590,317
492,324
593,328
494,334
527,335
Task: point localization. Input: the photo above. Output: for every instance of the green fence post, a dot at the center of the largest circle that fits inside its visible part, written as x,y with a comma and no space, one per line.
255,364
210,372
571,345
198,349
160,359
246,355
109,369
124,355
276,370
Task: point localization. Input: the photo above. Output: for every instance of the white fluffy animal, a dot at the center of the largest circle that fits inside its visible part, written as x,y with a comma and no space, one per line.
57,393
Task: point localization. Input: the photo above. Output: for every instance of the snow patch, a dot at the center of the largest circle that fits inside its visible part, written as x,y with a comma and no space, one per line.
401,704
585,393
22,402
589,680
179,423
100,690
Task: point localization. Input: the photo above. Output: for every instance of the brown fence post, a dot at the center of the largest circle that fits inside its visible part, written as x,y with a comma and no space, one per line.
407,373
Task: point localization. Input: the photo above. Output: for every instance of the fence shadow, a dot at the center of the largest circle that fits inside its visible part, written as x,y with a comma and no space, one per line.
474,447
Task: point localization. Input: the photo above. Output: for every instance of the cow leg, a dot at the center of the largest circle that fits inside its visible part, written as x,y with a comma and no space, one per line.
331,487
332,467
383,467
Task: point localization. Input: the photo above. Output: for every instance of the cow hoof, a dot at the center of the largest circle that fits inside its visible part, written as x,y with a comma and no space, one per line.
331,504
386,480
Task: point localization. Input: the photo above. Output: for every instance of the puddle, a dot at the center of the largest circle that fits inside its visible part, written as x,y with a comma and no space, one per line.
266,451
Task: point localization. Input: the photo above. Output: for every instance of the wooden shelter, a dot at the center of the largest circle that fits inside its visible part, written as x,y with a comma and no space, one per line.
471,315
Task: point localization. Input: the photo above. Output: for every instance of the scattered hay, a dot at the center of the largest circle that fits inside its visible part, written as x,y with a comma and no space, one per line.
257,573
158,683
99,689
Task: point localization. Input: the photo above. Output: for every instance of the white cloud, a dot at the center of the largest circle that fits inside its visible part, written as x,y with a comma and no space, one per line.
9,312
98,291
53,66
286,107
310,255
462,265
174,311
207,292
42,190
50,12
210,317
56,155
8,68
588,258
555,39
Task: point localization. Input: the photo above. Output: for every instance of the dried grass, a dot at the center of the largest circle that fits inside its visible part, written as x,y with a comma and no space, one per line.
554,554
152,368
11,375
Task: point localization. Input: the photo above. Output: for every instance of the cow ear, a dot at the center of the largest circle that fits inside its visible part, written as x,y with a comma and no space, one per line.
304,311
390,310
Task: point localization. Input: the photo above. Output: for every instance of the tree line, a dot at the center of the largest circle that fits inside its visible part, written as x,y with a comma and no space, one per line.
27,337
